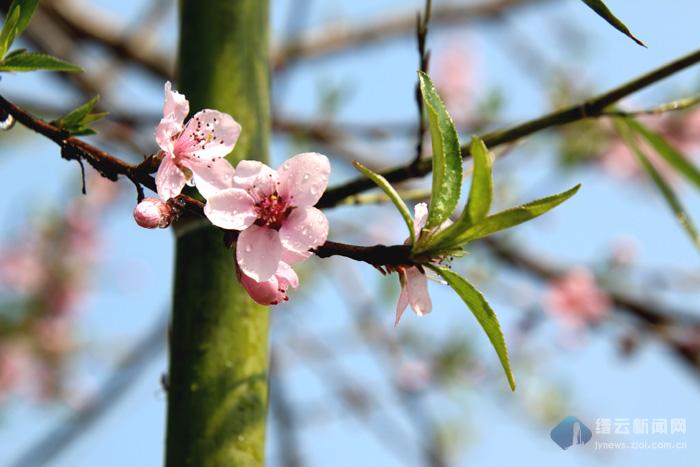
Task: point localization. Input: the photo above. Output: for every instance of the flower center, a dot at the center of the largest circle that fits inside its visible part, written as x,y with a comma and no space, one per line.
272,211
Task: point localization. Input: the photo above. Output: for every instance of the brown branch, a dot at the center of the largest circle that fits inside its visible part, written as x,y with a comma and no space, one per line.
112,168
591,108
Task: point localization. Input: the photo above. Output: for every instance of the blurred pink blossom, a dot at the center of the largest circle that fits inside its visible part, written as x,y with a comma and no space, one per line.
575,299
413,376
21,269
454,72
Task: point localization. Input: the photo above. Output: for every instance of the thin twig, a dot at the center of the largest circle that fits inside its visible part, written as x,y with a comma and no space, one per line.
591,108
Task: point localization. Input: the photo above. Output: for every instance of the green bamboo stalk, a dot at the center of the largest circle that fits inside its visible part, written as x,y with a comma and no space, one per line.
217,394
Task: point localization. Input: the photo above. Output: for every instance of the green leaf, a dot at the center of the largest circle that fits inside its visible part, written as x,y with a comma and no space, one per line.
677,160
447,156
452,238
479,202
665,189
75,117
8,32
483,313
389,190
481,192
30,61
604,12
19,14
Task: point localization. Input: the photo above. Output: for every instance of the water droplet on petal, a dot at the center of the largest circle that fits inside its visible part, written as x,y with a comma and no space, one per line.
7,121
248,248
306,176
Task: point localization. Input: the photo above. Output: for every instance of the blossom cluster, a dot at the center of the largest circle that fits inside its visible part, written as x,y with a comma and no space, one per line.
271,209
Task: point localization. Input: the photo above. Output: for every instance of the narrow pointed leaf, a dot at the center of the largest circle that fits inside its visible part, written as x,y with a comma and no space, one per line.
452,238
31,61
9,28
447,156
481,192
76,116
18,16
483,313
674,157
389,190
665,189
604,12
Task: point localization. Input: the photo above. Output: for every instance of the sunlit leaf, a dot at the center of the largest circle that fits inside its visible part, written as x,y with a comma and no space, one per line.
31,61
674,157
77,122
665,189
500,221
483,313
604,12
8,32
389,190
447,156
18,16
481,192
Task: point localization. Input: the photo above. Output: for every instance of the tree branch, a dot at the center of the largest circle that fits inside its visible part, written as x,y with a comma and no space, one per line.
591,108
112,167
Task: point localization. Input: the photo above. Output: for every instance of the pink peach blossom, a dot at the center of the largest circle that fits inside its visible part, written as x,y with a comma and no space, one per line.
274,212
193,152
414,282
575,299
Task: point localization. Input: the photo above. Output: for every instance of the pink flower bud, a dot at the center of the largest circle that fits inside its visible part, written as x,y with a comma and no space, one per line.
151,213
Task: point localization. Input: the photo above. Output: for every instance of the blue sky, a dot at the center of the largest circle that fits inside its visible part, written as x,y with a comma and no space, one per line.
496,428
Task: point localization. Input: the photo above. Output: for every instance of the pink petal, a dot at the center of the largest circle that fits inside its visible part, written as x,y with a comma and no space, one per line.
210,176
417,287
287,276
175,104
166,130
208,135
403,298
169,180
264,293
304,229
255,177
231,208
294,257
304,178
420,216
259,252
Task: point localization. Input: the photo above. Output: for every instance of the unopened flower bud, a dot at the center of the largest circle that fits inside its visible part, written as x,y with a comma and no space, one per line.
152,213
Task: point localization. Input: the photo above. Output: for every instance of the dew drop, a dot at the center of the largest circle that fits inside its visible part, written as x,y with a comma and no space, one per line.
7,121
306,176
248,248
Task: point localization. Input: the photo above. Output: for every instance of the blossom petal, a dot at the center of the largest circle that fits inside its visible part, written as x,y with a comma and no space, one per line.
210,176
209,135
287,276
420,216
403,299
169,180
417,287
259,252
255,177
304,229
166,131
175,105
266,292
304,178
232,209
